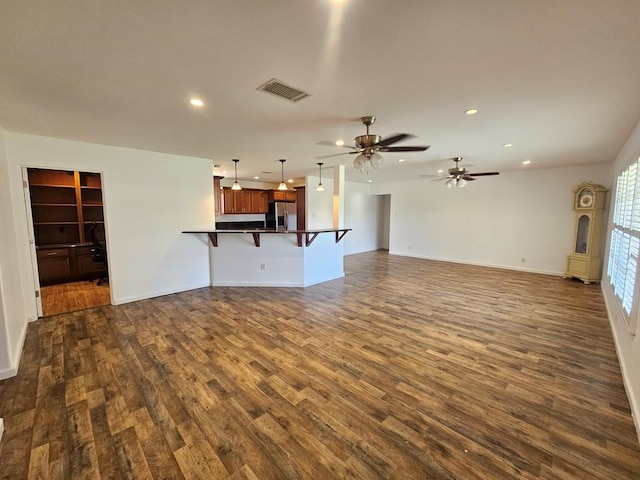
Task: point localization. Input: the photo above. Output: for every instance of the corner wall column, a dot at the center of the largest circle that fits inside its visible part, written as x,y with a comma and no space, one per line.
338,196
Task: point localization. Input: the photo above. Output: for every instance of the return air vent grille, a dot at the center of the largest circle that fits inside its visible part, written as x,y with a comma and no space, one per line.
280,89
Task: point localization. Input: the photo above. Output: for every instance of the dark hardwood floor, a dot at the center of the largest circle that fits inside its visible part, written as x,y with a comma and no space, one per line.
404,369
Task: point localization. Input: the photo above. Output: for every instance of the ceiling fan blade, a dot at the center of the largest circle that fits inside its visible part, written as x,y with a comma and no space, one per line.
403,149
483,174
468,177
333,144
398,137
334,155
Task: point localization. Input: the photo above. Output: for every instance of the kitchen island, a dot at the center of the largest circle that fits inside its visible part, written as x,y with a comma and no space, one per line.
274,258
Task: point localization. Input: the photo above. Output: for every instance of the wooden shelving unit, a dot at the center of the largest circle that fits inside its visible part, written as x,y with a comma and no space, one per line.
65,204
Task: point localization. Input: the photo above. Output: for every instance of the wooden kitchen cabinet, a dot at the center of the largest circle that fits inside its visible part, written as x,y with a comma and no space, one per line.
259,202
244,201
301,208
282,196
218,199
236,201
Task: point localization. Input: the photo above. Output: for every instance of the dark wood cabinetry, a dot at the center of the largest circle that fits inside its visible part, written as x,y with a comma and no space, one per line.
65,205
283,196
244,201
259,202
217,196
301,207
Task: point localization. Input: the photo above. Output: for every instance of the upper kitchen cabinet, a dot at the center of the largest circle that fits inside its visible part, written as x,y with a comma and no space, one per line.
244,201
282,196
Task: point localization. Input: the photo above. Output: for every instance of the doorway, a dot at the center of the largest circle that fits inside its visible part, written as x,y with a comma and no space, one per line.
68,233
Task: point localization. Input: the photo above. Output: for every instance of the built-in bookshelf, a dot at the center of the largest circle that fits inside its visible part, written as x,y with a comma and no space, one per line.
65,204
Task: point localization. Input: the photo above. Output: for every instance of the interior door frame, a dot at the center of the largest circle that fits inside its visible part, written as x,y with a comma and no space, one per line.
31,232
32,239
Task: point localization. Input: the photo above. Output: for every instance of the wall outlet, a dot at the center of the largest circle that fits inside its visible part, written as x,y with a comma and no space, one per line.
263,266
522,260
409,247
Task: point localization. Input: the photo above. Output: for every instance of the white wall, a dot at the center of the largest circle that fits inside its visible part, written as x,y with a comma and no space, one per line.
627,343
278,262
149,198
14,315
494,221
319,205
364,214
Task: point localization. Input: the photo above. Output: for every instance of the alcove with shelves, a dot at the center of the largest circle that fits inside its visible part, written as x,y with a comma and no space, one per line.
64,206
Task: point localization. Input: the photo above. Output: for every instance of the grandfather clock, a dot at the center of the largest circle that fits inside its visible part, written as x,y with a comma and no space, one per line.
588,203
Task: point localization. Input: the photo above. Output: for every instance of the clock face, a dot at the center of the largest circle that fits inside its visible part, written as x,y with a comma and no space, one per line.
586,198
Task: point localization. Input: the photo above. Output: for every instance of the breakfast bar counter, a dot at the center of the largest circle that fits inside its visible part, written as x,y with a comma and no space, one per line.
308,235
283,258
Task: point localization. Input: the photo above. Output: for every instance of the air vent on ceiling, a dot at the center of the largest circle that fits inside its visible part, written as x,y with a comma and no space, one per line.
280,89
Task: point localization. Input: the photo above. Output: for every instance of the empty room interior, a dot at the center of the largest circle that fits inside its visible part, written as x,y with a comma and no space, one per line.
316,240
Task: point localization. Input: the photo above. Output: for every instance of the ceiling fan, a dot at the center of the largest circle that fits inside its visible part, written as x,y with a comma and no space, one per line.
368,146
458,175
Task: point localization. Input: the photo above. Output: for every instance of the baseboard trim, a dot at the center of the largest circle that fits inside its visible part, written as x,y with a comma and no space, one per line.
159,293
256,284
8,373
479,264
13,370
633,404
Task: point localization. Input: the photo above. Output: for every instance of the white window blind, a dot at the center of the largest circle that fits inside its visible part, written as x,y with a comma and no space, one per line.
625,237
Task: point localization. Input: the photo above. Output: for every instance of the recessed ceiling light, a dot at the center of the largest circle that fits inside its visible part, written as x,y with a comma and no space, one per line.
290,180
401,160
370,181
440,171
508,145
526,162
256,178
196,102
339,143
224,171
471,111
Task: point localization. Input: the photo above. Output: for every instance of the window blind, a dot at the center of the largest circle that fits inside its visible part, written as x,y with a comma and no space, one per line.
625,237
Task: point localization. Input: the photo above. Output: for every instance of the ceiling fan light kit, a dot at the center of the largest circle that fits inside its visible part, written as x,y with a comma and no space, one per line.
458,176
368,145
455,183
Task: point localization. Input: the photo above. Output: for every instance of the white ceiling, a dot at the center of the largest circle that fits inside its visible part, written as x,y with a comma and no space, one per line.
559,79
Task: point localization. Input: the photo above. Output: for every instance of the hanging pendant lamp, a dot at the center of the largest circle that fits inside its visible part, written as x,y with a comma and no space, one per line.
282,186
236,185
320,187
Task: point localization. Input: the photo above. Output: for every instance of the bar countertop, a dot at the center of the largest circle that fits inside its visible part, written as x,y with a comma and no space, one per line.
308,235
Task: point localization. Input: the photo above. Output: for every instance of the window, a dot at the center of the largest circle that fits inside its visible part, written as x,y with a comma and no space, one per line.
625,239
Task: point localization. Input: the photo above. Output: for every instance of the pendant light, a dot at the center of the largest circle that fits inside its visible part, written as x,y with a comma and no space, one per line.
236,185
282,186
320,187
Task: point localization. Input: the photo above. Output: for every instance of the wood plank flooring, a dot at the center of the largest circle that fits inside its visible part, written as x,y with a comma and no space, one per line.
404,369
70,297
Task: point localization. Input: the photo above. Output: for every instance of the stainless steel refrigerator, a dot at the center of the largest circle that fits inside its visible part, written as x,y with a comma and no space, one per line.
282,216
